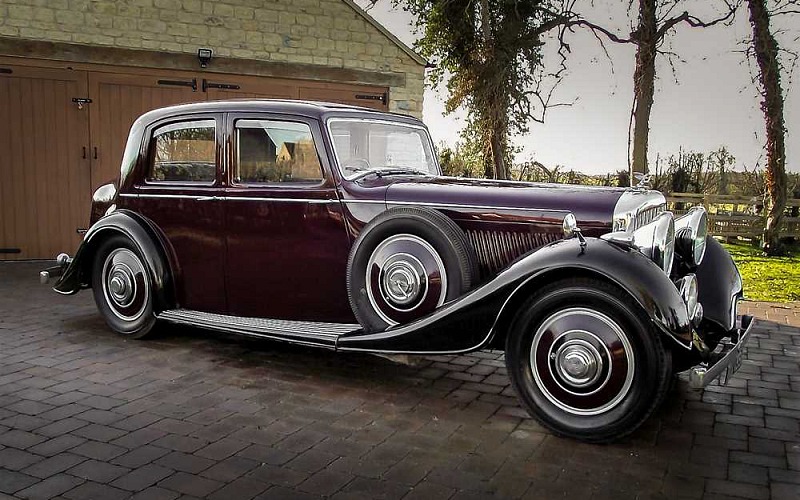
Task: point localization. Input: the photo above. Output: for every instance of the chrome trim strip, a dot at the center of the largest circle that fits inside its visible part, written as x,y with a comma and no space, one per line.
458,205
230,198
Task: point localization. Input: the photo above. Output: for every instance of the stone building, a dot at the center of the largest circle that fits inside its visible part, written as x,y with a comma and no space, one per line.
74,74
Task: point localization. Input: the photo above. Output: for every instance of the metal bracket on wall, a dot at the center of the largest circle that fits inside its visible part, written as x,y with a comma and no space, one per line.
374,97
225,86
80,101
181,83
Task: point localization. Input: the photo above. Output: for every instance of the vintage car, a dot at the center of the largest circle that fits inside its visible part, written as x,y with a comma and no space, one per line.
332,226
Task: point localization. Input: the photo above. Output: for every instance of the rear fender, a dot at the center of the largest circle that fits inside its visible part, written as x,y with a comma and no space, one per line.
147,240
483,315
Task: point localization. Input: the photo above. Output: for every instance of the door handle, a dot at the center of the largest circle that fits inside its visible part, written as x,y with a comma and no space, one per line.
207,198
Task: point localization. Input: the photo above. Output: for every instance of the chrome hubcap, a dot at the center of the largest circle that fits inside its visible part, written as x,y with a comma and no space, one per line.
405,278
401,282
578,363
582,361
125,284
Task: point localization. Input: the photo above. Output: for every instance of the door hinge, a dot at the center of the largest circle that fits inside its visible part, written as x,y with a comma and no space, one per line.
80,101
6,71
10,250
374,97
225,86
181,83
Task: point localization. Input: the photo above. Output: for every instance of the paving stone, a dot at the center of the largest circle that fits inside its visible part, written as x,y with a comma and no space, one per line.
13,459
93,491
190,484
50,487
53,465
99,451
100,472
184,462
16,438
11,482
57,445
142,478
243,488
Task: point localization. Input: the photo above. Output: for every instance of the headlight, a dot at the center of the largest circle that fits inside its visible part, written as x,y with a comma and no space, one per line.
690,235
657,241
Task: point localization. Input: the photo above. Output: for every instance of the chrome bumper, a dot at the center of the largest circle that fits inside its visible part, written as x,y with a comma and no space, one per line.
62,261
726,359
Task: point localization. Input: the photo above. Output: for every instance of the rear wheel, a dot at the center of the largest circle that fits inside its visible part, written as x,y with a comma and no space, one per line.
122,287
585,361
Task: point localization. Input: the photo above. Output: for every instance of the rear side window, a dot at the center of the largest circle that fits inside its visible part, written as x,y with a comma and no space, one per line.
269,151
184,152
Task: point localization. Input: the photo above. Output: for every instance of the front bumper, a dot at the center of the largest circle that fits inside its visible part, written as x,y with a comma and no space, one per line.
726,359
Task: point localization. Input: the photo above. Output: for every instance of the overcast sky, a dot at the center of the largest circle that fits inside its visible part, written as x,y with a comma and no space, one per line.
712,103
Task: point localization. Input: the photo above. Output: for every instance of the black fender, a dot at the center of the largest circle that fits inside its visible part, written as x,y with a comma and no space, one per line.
151,246
719,286
474,320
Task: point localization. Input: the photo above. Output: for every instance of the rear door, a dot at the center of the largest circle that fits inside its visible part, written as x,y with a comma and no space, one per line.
180,190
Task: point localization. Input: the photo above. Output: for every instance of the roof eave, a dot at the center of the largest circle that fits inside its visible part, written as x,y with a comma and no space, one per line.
405,48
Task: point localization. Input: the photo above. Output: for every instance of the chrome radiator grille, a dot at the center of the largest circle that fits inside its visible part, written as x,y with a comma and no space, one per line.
646,216
496,249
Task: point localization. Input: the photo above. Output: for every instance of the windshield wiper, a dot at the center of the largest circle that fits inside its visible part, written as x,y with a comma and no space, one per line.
381,172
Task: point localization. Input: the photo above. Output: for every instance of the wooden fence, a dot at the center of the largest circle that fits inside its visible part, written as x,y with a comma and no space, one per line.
731,216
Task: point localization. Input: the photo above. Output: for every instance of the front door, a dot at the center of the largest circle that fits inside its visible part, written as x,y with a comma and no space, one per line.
286,239
180,191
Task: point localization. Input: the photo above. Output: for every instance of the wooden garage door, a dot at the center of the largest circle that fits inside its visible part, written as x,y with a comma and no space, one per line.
44,165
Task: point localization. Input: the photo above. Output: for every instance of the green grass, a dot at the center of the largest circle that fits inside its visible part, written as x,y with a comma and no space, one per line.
771,279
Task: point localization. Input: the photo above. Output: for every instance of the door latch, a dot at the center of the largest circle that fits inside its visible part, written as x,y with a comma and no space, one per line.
80,101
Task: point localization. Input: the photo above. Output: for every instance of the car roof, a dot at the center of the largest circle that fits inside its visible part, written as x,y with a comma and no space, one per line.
311,109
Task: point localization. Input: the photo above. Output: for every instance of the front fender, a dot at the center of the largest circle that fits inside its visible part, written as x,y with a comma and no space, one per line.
471,321
77,276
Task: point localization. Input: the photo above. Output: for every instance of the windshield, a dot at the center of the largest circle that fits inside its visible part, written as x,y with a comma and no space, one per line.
363,146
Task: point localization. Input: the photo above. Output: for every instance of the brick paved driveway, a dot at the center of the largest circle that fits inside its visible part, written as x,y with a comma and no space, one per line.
87,414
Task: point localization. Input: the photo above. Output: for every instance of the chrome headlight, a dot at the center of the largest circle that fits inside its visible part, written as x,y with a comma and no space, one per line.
656,240
690,235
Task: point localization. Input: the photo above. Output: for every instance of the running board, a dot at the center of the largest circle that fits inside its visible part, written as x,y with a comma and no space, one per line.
298,332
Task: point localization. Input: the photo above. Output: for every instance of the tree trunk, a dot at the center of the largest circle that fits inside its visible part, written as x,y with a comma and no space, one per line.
765,49
643,83
498,154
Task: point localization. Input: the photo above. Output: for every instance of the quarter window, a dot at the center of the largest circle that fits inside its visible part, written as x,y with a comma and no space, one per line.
184,152
270,151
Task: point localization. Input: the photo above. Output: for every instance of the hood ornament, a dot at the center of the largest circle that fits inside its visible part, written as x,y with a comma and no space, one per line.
643,180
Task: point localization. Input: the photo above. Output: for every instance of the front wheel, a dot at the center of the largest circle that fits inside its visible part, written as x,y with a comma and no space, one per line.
122,287
585,360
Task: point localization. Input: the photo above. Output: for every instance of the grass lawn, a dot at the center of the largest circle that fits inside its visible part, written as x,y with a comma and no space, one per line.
772,279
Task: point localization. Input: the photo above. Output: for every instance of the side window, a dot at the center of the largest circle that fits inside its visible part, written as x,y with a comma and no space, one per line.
184,152
270,151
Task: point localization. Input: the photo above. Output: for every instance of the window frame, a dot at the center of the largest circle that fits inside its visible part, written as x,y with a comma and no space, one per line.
233,154
149,151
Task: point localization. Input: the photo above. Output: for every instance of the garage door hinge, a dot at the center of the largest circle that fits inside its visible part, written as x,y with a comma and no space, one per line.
80,101
374,97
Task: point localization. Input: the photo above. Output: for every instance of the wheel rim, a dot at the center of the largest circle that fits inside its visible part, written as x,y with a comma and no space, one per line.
405,279
126,287
582,361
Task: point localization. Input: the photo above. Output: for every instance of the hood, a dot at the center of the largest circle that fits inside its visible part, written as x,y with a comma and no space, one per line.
592,205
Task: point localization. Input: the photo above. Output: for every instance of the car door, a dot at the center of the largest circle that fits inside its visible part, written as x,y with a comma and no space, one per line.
180,191
287,244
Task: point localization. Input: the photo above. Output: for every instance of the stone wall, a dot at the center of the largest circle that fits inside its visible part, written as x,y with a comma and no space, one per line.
328,33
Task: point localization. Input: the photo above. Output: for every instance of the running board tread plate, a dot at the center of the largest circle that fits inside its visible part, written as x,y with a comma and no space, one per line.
305,332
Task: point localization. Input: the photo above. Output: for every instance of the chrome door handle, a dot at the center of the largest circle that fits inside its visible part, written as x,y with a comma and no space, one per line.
207,198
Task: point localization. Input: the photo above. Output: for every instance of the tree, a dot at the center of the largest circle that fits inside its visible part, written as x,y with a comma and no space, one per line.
764,49
491,51
655,22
